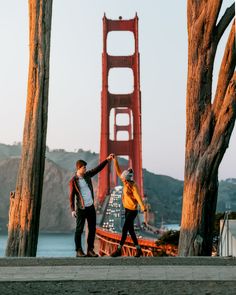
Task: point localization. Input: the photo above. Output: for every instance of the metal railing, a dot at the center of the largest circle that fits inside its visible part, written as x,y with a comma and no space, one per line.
108,243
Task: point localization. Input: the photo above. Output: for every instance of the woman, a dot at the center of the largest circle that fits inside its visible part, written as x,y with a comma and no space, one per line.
130,200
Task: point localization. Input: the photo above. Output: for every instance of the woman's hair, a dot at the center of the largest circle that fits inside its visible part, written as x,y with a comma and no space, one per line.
129,186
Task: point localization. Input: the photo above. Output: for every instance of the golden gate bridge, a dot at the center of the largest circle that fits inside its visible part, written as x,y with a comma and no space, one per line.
109,194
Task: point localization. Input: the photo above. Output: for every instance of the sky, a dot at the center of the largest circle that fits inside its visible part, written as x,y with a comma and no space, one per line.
76,76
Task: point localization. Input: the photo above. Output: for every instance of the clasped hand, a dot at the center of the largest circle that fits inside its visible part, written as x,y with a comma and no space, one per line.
110,157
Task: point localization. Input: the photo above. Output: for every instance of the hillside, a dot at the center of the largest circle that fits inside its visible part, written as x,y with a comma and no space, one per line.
55,213
163,192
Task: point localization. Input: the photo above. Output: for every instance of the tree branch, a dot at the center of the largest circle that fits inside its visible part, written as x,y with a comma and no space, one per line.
204,15
224,21
226,71
225,122
213,13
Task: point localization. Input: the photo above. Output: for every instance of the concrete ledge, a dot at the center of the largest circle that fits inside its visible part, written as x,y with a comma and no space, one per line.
29,261
121,269
118,276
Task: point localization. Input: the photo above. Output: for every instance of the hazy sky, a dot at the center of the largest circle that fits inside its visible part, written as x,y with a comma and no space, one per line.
75,76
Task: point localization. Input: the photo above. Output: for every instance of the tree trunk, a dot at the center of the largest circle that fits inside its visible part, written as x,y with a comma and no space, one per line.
25,205
209,125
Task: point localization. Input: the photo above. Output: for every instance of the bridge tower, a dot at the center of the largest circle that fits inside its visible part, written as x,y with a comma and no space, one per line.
129,103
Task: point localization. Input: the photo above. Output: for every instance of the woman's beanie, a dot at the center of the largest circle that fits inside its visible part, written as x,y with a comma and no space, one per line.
128,174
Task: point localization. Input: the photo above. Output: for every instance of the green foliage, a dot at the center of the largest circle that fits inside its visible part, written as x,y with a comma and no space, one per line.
170,237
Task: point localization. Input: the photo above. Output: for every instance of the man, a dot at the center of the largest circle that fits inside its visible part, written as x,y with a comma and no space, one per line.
81,188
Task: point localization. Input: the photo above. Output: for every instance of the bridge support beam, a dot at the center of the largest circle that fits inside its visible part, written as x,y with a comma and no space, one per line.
121,103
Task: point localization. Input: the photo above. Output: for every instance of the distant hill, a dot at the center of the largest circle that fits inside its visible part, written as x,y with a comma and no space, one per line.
55,213
164,193
227,195
9,151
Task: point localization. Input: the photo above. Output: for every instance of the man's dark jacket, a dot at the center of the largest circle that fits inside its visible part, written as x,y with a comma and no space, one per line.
75,189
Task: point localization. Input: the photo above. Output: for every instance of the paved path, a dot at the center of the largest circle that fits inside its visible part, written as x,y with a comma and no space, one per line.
120,276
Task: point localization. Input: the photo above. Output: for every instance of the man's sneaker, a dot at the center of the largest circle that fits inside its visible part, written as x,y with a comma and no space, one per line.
139,253
116,253
91,253
80,253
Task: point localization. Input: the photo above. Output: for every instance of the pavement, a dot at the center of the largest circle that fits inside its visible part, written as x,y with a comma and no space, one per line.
122,275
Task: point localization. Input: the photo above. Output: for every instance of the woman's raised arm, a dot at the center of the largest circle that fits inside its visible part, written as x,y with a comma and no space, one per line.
117,167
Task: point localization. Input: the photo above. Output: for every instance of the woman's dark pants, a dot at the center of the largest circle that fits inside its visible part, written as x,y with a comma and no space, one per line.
129,226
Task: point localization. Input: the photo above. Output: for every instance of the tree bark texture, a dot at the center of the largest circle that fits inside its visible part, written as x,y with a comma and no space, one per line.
209,121
25,205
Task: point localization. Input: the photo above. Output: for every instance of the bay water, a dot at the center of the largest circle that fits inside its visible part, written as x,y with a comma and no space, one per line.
49,245
58,244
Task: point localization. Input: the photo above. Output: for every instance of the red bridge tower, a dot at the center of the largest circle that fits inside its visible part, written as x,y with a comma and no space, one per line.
129,103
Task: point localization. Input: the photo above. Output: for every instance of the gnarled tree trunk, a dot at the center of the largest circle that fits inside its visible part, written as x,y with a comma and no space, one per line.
209,124
25,204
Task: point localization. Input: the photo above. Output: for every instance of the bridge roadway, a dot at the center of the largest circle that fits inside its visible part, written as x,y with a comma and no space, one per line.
123,275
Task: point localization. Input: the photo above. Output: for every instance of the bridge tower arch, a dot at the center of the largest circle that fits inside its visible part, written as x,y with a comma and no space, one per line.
122,103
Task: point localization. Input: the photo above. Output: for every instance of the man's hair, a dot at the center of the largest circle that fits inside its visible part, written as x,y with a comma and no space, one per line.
80,163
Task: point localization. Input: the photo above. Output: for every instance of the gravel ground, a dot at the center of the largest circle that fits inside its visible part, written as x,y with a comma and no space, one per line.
119,287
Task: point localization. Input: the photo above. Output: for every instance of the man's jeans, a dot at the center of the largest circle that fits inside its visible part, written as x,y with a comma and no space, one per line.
88,213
